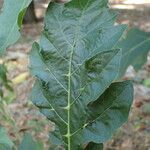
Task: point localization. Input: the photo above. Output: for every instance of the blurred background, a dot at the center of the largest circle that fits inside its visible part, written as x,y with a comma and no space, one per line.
18,115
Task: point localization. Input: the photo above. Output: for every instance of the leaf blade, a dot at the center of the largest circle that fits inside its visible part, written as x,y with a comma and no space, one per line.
109,112
94,146
136,45
75,67
5,142
29,143
9,32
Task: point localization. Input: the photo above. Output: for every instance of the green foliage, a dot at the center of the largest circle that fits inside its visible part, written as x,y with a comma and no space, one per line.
29,144
5,84
10,22
6,96
76,63
5,142
135,48
94,146
146,82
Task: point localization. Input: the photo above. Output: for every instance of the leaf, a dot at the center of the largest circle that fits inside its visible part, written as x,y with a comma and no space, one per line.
135,48
94,146
29,144
5,85
3,77
3,72
109,112
75,62
10,22
5,142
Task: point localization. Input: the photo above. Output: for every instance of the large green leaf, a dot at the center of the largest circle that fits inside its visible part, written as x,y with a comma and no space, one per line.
10,22
75,62
5,142
135,48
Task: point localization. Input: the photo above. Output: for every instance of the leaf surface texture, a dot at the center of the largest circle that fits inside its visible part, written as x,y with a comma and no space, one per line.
75,62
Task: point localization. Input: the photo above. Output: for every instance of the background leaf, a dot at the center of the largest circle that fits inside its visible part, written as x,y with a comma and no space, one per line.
5,85
5,142
135,48
10,22
29,144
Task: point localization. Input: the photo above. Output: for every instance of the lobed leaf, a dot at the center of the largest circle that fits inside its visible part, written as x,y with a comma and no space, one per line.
10,22
75,62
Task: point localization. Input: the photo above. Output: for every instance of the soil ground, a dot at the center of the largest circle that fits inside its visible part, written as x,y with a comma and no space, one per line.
22,116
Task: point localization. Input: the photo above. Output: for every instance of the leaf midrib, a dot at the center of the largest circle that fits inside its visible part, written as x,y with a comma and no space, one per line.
69,75
69,79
